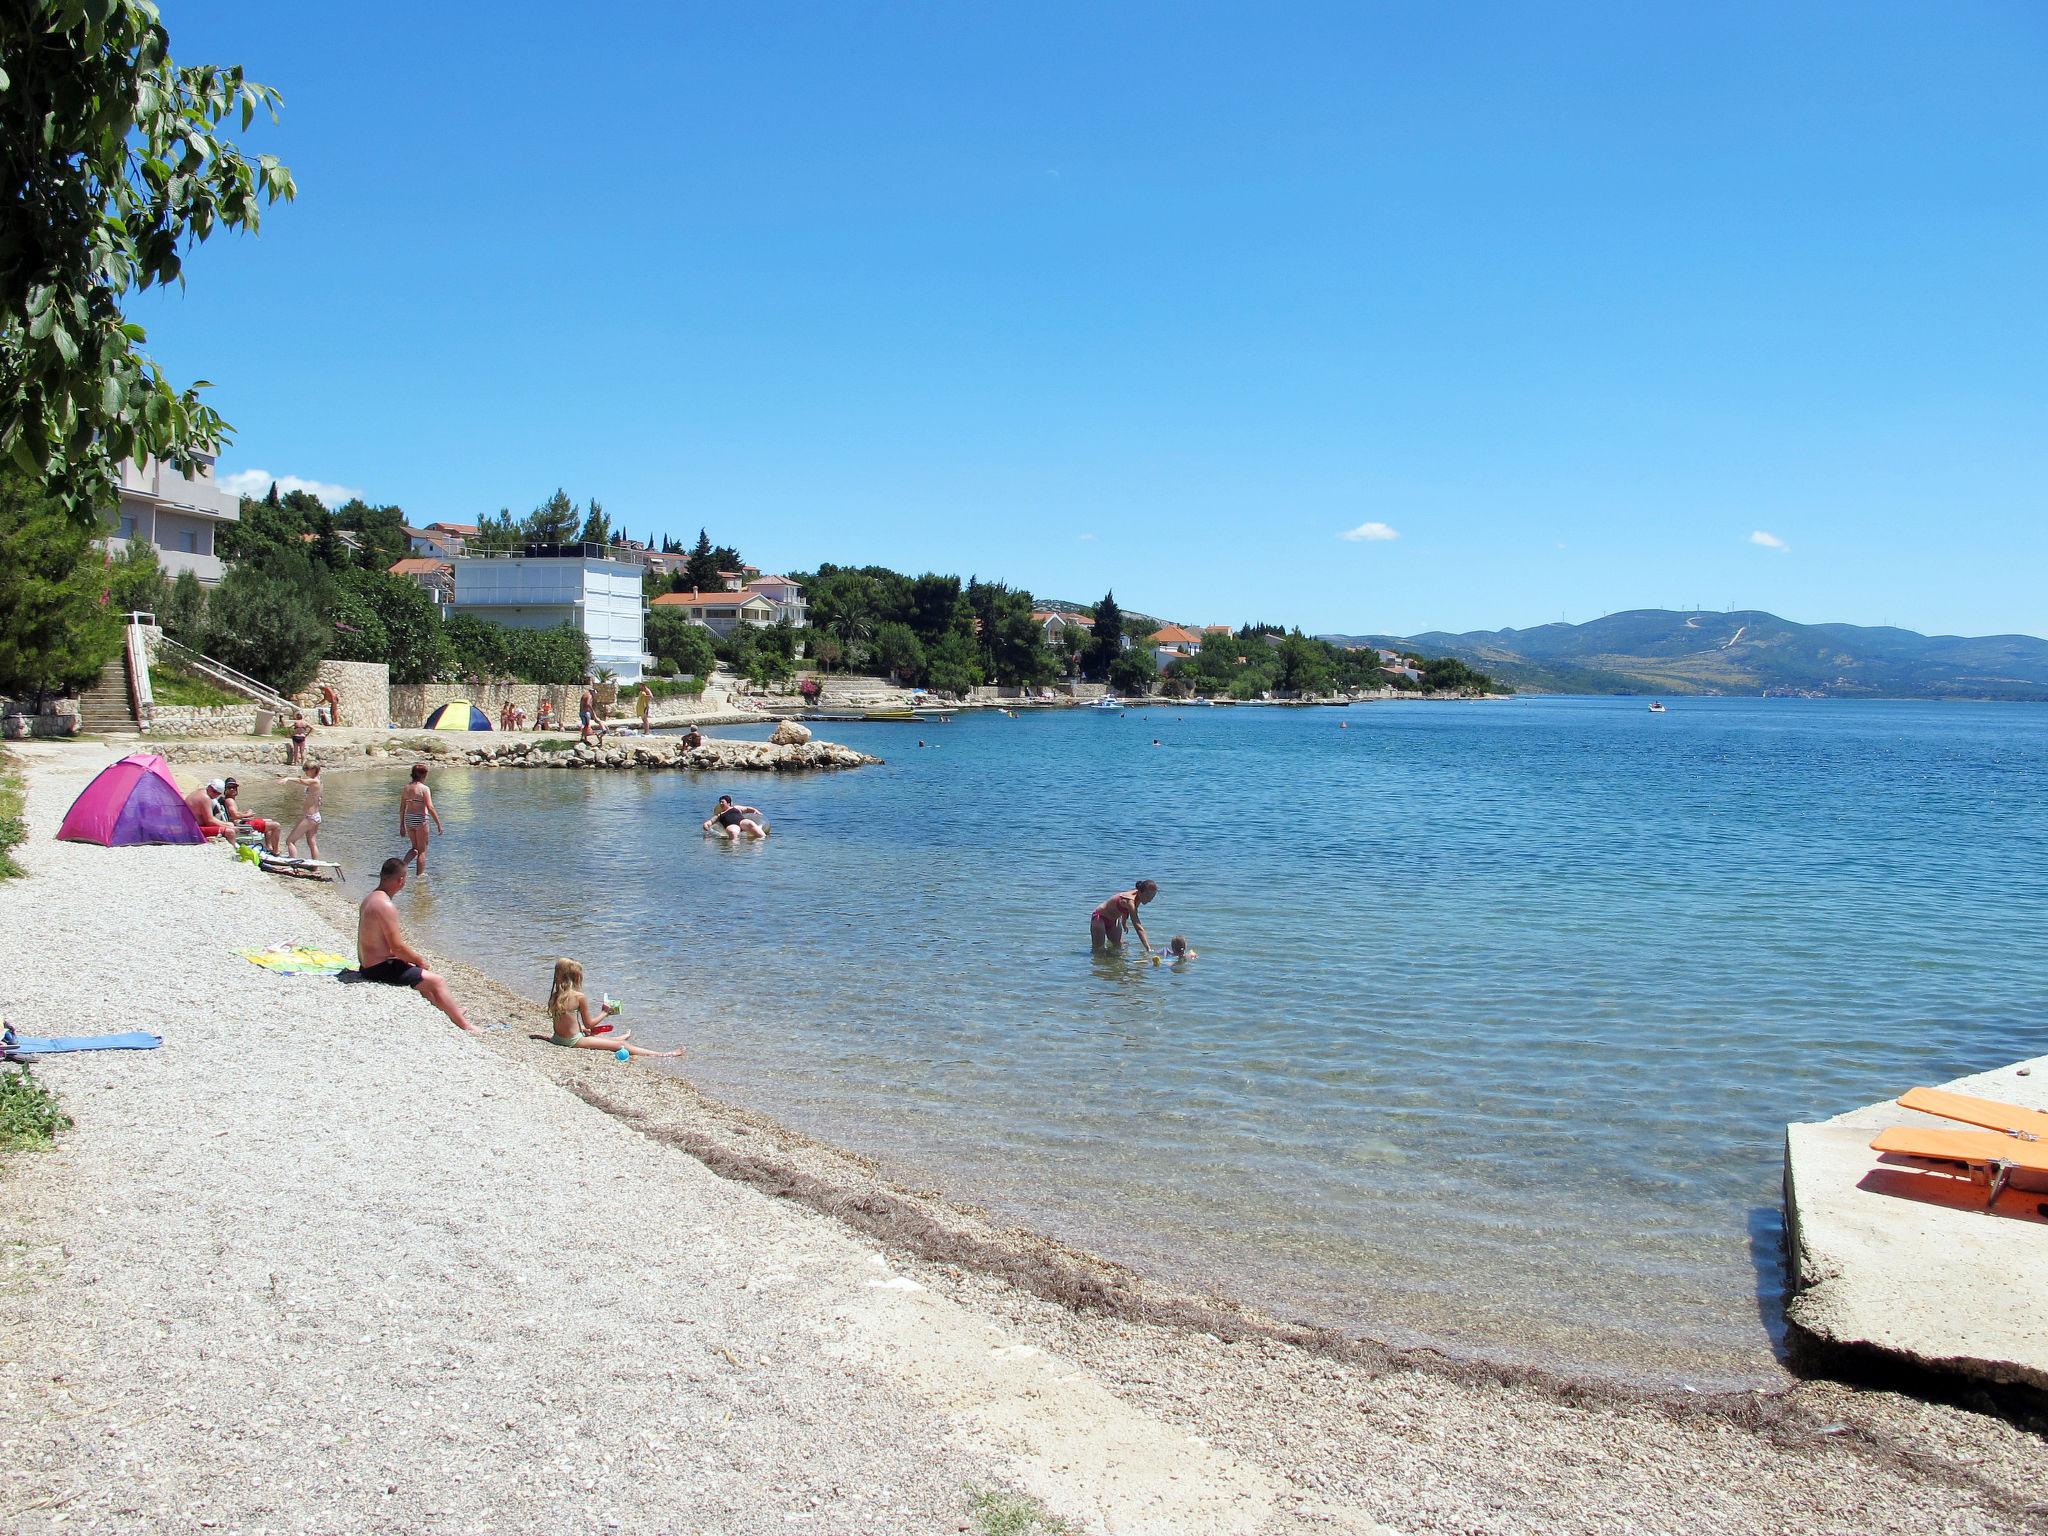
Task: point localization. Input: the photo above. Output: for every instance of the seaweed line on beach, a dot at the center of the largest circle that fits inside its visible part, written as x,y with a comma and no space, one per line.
1087,1283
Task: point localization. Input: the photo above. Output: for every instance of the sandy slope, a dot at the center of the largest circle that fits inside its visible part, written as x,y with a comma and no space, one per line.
322,1263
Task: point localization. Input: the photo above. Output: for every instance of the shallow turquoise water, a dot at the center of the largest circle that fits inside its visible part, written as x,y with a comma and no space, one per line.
1500,1012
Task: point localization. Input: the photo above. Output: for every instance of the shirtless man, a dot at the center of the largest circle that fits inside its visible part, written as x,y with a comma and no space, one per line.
415,805
587,708
201,803
731,821
384,955
308,824
270,831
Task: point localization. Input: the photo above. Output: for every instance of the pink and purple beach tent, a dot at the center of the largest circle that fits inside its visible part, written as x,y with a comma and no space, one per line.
134,801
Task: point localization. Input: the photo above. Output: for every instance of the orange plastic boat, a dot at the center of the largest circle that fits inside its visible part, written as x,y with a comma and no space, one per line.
1989,1113
1988,1159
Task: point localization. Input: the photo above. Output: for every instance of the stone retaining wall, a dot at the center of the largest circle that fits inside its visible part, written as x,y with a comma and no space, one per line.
411,703
201,720
364,688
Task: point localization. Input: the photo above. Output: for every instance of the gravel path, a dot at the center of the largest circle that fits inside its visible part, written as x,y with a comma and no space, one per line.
324,1264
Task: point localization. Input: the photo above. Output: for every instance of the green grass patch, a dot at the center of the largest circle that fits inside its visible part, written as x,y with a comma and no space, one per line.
171,684
29,1116
999,1512
556,744
13,820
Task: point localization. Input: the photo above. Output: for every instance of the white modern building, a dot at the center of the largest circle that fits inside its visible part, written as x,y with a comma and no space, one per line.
599,595
177,513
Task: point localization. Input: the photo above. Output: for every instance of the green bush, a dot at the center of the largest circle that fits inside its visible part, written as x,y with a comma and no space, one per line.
673,636
55,634
666,667
411,642
476,647
135,582
676,688
557,655
265,619
13,824
184,611
29,1116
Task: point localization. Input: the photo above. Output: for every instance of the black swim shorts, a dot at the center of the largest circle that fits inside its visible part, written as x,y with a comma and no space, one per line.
393,973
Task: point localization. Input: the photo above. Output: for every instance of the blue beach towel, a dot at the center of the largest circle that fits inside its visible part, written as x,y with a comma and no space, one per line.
134,1040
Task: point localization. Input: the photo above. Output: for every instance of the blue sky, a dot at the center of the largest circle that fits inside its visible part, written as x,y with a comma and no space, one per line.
1574,300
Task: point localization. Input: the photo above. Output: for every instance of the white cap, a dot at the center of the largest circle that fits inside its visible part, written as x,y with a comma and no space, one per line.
215,786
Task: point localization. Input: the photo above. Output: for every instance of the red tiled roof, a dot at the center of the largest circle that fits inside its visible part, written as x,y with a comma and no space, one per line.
709,599
420,566
1218,629
1174,634
461,530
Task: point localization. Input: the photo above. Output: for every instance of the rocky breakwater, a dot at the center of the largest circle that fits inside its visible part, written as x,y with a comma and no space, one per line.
719,756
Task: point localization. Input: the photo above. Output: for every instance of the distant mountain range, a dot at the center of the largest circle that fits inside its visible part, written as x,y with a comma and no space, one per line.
1654,650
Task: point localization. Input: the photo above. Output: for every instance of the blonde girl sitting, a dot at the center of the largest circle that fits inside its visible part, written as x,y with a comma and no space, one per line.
575,1023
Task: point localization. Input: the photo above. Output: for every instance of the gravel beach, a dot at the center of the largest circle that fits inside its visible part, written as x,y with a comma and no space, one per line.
322,1263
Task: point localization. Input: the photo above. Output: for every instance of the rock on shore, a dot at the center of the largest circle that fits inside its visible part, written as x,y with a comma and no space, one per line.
727,756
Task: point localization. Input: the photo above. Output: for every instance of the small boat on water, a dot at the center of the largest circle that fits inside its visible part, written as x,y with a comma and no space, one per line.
1657,708
1106,702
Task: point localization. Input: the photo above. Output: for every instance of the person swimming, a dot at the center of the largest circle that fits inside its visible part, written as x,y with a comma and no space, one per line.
1106,922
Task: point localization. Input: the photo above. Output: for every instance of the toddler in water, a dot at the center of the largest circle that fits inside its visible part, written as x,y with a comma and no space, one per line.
1177,952
577,1026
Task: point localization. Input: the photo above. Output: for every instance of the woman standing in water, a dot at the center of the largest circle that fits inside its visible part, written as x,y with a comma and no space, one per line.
1106,922
415,805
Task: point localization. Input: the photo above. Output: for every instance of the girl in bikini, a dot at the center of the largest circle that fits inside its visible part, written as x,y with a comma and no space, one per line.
415,805
1106,922
580,1029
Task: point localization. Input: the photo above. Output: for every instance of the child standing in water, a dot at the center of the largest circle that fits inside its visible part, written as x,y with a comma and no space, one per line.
415,805
580,1029
308,824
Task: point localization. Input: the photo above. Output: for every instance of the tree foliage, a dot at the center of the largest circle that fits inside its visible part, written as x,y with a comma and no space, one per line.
404,628
56,633
1106,641
674,638
184,613
266,618
114,166
557,655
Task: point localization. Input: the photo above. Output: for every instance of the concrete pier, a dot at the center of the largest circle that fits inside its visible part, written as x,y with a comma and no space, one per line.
1894,1266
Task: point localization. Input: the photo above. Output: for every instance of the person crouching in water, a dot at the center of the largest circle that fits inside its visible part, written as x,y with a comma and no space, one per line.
1106,922
577,1027
734,821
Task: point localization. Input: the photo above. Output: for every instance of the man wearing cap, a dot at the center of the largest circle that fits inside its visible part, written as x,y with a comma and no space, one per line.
201,803
272,832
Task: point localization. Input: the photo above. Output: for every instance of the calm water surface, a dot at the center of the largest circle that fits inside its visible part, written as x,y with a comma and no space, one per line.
1500,1012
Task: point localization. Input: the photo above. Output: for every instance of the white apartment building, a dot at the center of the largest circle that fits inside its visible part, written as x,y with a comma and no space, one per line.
177,513
599,595
787,597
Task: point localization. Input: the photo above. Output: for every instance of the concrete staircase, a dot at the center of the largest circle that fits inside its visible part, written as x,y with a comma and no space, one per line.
104,708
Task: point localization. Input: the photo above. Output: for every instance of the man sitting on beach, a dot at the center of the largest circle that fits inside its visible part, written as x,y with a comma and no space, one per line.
271,832
692,739
201,802
384,955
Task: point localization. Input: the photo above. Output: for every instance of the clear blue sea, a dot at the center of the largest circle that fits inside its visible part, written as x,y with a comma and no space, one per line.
1500,1012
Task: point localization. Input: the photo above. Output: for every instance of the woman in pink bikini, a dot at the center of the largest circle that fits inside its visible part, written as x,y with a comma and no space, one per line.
1106,922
